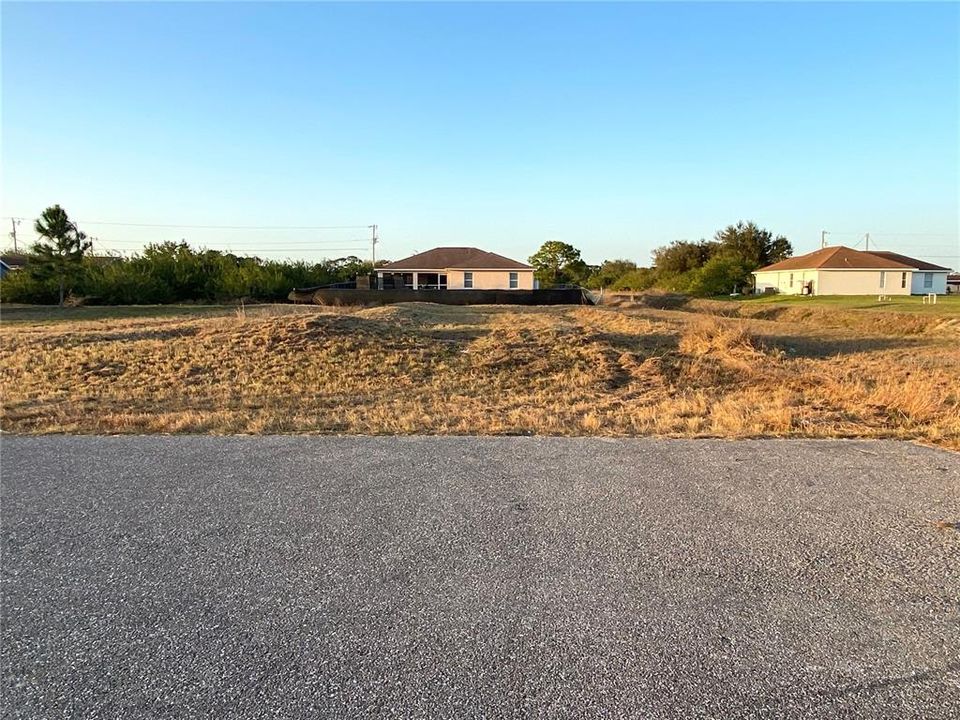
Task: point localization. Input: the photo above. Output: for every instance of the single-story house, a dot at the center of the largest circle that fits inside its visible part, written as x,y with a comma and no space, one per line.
11,261
953,283
841,270
456,268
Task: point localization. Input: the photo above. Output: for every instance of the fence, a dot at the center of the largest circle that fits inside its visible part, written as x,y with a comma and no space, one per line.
343,296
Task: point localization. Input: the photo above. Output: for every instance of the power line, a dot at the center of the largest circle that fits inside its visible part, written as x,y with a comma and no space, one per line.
221,227
107,243
307,243
226,227
896,234
911,234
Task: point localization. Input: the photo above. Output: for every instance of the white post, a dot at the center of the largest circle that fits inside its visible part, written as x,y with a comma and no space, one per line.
415,281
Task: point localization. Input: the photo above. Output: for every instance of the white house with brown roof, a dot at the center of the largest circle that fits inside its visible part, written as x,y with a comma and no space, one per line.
456,268
841,270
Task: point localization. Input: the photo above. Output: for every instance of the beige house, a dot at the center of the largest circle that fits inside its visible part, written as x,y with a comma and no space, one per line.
456,268
844,271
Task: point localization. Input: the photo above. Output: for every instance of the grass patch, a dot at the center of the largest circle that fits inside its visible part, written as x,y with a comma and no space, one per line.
946,305
690,371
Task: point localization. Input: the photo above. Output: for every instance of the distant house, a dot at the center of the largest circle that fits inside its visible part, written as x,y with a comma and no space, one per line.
456,268
953,283
841,270
10,262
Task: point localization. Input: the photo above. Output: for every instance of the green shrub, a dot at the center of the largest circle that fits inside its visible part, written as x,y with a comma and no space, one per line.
174,272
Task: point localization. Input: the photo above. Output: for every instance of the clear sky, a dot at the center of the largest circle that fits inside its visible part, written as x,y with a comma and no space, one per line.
615,127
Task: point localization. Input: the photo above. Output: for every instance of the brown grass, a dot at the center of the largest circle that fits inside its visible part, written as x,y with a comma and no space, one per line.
420,368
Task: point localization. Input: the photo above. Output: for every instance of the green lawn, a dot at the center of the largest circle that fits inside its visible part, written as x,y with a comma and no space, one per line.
946,304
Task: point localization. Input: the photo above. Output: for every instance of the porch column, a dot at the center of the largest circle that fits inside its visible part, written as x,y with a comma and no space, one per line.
415,281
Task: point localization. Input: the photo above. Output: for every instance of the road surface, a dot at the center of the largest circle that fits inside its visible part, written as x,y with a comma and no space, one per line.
244,577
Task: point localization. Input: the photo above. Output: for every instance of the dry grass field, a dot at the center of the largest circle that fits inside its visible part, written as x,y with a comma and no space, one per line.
657,366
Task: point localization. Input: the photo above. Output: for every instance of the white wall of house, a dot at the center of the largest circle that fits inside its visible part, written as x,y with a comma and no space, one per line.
937,282
863,282
853,282
787,282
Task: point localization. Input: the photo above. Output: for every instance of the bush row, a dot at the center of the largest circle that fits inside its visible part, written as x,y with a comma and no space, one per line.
174,272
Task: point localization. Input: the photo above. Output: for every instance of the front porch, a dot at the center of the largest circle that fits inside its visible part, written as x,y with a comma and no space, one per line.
411,281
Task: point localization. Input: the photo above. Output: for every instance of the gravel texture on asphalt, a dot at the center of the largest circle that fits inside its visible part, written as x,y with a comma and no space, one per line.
462,577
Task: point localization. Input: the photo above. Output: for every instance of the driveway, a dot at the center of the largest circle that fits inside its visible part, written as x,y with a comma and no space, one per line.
451,577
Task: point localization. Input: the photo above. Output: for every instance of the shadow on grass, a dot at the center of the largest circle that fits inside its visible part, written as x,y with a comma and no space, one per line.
814,347
134,335
641,343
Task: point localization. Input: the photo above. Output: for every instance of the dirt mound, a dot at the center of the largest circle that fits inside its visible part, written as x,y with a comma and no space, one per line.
648,298
420,313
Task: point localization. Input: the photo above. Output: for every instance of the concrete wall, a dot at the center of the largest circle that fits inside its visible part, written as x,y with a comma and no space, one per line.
939,283
490,279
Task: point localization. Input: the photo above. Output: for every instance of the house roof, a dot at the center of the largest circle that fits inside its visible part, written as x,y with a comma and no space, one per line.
469,258
14,260
843,258
912,262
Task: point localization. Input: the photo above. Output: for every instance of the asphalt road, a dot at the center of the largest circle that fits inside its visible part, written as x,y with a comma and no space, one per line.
192,577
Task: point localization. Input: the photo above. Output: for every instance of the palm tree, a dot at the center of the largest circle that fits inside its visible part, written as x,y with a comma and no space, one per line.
60,253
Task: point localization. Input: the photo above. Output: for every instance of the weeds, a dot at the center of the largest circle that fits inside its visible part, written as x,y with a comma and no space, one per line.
421,368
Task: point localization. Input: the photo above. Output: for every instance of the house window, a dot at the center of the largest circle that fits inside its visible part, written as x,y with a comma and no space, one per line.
883,279
468,279
442,282
514,281
927,280
791,279
903,280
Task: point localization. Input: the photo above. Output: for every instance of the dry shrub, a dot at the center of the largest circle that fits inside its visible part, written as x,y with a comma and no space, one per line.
713,336
753,412
920,400
729,343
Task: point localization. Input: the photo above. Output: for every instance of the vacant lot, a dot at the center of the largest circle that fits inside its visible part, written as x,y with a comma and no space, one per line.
654,366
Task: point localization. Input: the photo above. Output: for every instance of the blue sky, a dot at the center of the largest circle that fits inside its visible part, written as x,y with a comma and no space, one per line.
615,127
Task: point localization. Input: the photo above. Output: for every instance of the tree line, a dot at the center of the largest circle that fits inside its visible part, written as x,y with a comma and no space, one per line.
60,266
707,267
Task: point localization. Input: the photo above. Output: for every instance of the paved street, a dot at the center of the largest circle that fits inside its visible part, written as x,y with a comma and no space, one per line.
245,577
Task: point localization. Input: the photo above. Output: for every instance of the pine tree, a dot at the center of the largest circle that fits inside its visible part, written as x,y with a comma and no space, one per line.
60,253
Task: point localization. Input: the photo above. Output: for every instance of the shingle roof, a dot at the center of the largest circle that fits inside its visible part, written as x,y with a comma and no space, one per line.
14,260
912,262
468,258
844,258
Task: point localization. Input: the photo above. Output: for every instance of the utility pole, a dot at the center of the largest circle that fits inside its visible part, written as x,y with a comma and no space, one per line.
867,241
373,246
14,222
823,239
